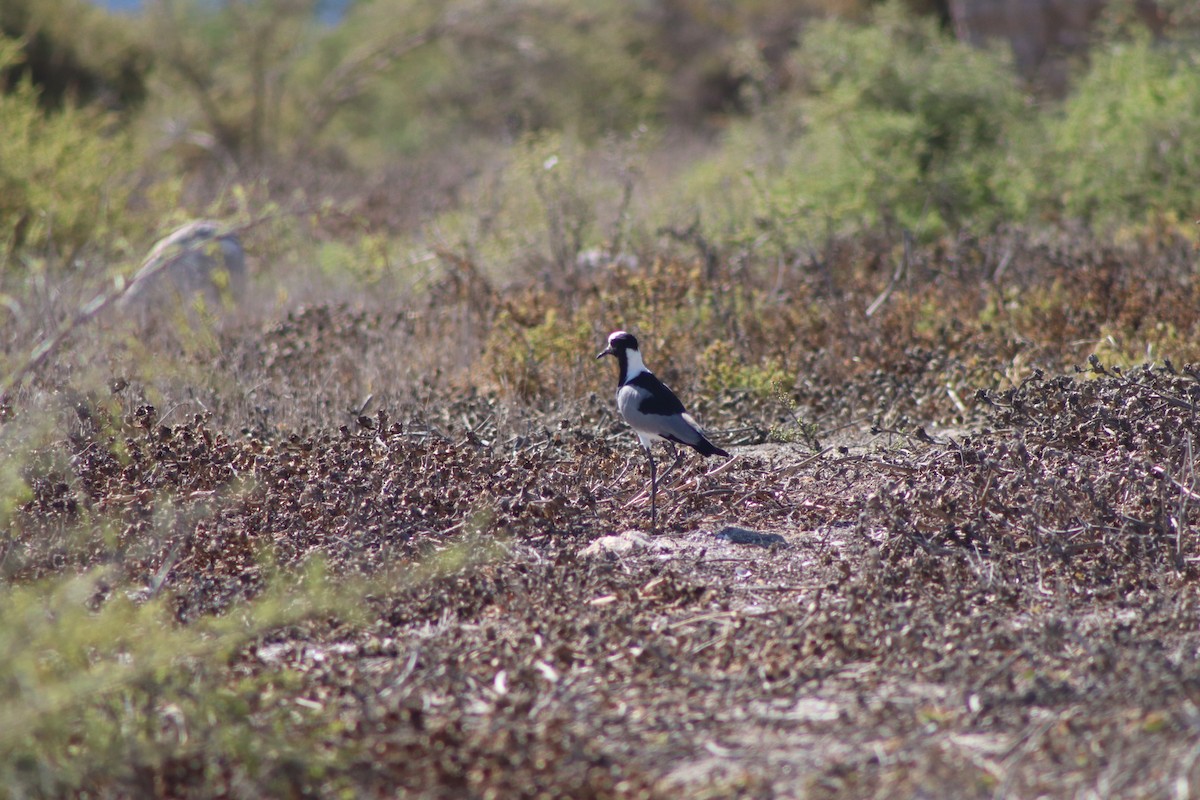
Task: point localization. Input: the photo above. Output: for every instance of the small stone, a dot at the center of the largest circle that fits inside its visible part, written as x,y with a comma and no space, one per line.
735,535
620,544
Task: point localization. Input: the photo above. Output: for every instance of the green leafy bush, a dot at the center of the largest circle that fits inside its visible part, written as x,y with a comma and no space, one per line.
895,124
722,369
63,175
1125,145
906,124
89,684
548,65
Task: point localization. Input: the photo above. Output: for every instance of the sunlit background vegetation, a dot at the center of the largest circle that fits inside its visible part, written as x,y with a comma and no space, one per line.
526,133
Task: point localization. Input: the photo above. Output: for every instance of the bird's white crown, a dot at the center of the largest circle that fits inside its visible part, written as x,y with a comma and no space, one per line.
622,339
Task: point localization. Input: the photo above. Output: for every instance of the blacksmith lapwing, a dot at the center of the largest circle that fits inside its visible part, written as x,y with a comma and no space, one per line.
652,409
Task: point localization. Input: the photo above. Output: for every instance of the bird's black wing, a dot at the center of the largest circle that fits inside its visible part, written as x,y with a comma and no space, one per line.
658,399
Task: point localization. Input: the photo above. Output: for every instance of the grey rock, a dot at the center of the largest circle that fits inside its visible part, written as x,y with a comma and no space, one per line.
735,535
199,258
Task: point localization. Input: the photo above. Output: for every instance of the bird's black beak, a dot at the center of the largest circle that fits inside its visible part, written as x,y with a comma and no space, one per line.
608,351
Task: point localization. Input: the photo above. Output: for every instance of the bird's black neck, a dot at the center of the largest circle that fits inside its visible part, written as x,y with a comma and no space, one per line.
622,366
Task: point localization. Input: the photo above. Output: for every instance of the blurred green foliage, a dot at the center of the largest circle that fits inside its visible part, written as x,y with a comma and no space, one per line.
1125,143
225,83
893,124
76,52
905,125
88,686
112,691
773,124
64,175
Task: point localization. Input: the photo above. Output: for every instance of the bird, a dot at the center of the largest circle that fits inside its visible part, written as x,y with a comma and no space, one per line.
652,409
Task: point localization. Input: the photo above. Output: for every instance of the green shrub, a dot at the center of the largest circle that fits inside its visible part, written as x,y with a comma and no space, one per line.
63,175
260,82
550,64
722,370
102,690
101,694
1125,145
502,70
895,124
538,359
905,124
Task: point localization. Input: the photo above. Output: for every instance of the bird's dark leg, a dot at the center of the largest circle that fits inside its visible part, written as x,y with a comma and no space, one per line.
677,454
653,490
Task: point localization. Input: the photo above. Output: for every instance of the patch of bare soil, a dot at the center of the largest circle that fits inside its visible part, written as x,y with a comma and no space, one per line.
1008,610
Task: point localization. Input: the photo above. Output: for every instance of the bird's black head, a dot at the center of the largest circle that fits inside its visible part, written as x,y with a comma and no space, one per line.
624,347
619,343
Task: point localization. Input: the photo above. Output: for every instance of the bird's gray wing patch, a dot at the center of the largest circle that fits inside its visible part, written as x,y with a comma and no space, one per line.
674,427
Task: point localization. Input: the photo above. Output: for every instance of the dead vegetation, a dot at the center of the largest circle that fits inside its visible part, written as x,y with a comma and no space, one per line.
982,584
